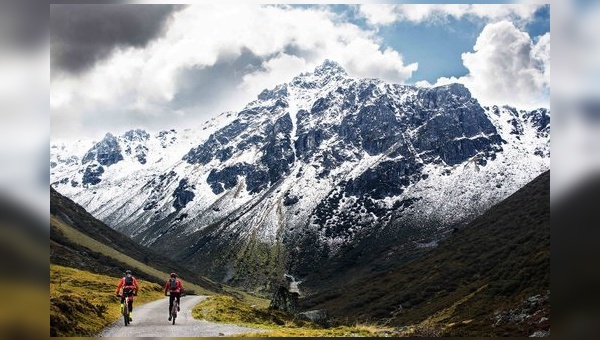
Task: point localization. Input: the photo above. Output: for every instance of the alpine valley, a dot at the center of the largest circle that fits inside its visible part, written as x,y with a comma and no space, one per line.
327,170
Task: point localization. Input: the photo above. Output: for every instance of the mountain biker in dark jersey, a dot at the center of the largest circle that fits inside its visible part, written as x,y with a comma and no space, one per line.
175,288
130,286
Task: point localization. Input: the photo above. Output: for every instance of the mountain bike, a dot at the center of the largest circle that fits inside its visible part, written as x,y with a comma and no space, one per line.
125,310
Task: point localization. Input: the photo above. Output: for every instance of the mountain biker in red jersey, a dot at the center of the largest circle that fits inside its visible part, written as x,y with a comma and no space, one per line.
130,287
175,288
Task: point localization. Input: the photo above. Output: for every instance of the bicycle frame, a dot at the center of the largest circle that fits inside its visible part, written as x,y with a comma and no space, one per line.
128,297
174,309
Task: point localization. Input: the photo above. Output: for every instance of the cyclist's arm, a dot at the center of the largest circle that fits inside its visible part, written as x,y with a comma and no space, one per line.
119,286
166,287
135,283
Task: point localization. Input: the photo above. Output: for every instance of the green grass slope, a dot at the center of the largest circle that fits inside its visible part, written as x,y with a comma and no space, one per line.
491,278
79,240
83,303
73,230
81,251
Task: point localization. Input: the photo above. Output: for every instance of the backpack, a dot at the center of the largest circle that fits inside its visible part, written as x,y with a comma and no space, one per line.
128,280
172,284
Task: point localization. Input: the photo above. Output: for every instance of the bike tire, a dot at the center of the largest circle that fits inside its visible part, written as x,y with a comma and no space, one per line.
174,311
126,313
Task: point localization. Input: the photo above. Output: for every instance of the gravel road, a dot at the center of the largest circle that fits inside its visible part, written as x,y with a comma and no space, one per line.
151,320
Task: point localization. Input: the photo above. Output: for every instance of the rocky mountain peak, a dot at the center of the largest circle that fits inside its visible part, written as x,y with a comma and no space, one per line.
106,152
329,67
329,71
136,135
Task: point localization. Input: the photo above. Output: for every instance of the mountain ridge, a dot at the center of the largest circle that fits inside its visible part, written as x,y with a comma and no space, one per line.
323,162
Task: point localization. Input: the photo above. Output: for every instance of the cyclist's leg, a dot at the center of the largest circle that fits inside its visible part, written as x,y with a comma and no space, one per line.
128,293
178,301
129,302
171,299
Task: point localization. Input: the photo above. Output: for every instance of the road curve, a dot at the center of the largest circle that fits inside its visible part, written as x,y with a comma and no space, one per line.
151,320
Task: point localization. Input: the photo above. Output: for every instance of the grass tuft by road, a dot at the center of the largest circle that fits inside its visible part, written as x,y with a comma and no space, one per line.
83,303
226,309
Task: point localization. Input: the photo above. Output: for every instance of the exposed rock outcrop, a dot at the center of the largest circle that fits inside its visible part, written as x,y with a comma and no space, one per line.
286,297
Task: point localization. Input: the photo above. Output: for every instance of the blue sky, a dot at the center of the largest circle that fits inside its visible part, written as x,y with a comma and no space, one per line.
437,47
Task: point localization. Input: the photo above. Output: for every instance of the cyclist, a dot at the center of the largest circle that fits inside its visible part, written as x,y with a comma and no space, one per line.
175,288
130,287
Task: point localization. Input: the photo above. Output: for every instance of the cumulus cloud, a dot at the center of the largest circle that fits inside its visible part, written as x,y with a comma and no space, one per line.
385,14
541,53
85,34
172,80
275,70
507,67
379,14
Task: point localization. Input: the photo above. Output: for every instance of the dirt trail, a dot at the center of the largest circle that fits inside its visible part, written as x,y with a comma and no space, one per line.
151,320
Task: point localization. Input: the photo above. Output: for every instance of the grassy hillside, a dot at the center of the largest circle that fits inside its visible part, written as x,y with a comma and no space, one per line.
104,258
83,303
73,228
79,240
475,280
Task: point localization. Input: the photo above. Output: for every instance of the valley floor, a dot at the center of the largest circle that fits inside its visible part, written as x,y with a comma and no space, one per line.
150,320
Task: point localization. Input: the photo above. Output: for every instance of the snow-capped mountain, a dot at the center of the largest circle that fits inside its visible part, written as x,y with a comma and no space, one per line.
109,168
310,166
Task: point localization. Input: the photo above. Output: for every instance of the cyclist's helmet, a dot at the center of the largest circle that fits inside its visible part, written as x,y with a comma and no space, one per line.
128,271
173,275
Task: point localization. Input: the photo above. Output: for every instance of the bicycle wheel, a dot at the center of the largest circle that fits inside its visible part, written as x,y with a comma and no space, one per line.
174,311
126,312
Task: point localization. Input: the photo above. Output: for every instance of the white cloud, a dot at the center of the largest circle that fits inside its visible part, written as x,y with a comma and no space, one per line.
362,58
423,83
276,71
385,14
379,14
541,53
141,84
507,67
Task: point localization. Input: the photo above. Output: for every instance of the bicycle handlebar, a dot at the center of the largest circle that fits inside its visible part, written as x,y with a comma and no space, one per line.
121,295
